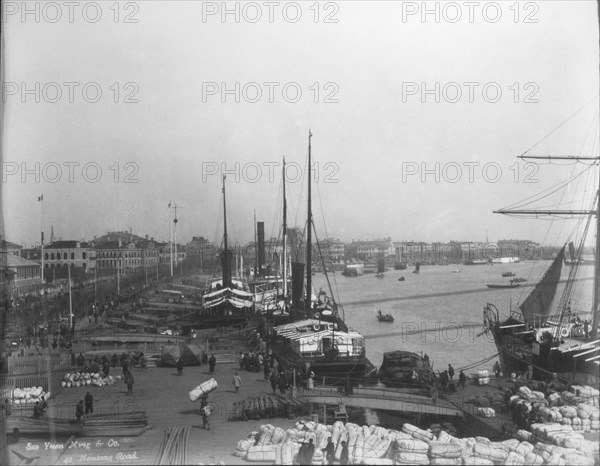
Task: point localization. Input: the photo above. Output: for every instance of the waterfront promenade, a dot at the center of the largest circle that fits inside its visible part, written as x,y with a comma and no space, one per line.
163,395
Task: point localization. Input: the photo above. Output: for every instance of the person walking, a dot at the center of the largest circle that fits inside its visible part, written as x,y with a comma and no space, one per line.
282,382
89,403
237,382
212,362
497,369
79,411
329,451
274,381
462,380
129,381
433,393
345,453
37,411
180,366
206,412
450,372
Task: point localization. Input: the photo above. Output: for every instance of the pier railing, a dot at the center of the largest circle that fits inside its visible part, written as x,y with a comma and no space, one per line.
21,365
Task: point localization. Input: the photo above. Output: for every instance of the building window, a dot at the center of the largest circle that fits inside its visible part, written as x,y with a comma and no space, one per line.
65,256
72,256
46,256
52,256
84,255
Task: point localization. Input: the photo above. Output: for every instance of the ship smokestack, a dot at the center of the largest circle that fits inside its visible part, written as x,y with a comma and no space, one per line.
260,232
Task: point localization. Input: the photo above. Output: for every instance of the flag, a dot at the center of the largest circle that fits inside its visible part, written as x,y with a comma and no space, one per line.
40,198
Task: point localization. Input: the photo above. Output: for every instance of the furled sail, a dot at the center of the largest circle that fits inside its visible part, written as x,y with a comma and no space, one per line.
537,304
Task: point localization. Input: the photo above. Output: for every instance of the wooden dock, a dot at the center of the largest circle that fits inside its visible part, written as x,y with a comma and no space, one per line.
382,399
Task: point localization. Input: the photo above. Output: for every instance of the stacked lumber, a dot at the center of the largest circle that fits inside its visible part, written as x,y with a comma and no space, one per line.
267,407
173,449
108,425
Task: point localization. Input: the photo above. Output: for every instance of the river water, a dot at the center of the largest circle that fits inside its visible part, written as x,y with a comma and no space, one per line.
438,311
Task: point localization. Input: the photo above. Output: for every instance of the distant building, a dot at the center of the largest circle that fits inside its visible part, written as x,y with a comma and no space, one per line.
6,247
76,254
127,258
372,249
20,276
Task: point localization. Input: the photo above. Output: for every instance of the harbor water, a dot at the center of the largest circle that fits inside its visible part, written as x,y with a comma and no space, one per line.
439,311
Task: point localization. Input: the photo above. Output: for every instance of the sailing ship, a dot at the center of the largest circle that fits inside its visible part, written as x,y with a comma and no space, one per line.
508,274
316,338
271,292
225,300
533,339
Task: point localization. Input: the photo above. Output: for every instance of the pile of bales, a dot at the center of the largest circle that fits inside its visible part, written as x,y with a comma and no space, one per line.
483,377
267,407
83,379
576,408
28,395
377,445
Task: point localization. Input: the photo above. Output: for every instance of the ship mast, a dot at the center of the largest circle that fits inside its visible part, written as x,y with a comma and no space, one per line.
596,314
307,303
284,236
226,265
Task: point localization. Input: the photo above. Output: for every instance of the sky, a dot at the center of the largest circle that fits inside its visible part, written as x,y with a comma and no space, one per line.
418,111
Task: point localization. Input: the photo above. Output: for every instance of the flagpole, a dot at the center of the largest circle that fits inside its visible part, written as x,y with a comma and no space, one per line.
41,199
175,235
171,241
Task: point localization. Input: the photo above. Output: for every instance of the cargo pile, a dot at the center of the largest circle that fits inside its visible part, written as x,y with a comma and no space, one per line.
203,389
377,445
267,407
576,408
483,377
83,379
29,395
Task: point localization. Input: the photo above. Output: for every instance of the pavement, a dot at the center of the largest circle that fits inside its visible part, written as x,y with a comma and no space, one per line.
163,395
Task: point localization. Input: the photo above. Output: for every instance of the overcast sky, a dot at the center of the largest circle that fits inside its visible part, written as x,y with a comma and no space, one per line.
363,76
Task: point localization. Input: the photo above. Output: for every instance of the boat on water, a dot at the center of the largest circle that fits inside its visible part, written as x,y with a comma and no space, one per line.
353,270
381,317
225,300
405,369
476,262
315,337
544,336
508,274
401,279
512,284
519,280
400,266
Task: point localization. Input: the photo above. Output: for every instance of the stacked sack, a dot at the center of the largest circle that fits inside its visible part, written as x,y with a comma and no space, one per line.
83,379
377,445
483,377
28,395
486,412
